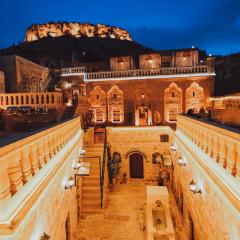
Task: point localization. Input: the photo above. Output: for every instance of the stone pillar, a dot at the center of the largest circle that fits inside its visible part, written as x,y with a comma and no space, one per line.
231,158
26,164
216,150
15,173
40,154
238,162
5,190
34,159
222,153
46,151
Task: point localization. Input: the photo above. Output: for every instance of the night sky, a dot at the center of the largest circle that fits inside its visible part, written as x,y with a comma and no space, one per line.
213,25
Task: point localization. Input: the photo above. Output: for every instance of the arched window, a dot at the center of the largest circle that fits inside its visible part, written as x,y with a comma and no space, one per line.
42,99
22,100
37,99
27,99
11,103
32,99
7,100
52,98
47,99
17,102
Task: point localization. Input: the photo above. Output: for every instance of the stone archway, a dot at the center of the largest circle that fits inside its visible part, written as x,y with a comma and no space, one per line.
136,165
98,104
115,105
172,102
143,116
194,97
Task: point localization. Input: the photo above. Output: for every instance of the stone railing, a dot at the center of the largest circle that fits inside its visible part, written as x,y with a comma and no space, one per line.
37,99
26,163
220,144
71,71
147,72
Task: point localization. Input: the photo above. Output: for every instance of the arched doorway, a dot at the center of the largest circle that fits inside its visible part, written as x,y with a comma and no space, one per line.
136,165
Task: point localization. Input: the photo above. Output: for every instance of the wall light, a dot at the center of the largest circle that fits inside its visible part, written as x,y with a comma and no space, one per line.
143,95
77,165
83,151
173,147
70,183
45,237
194,187
182,161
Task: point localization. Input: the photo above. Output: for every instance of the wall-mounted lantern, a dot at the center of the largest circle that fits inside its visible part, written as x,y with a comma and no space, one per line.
182,161
70,183
194,187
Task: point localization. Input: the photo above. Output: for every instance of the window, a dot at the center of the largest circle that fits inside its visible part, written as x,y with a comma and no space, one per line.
116,115
97,96
193,94
115,96
52,98
164,138
173,94
37,99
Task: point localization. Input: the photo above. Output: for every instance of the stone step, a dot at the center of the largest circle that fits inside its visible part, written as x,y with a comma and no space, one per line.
90,184
91,189
92,196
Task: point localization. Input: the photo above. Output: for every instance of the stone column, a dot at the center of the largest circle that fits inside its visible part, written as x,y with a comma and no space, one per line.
5,190
222,153
216,150
46,150
34,159
26,164
40,154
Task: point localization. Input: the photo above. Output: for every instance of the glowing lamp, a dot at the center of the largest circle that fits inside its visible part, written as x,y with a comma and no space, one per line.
70,183
77,165
194,187
173,147
143,95
182,161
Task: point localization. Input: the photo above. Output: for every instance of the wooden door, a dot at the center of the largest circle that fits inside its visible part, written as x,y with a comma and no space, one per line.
136,165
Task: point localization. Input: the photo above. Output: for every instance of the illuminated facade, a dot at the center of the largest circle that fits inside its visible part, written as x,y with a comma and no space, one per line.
54,179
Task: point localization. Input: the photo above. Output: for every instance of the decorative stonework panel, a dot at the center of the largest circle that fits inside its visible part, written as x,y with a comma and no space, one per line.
172,102
194,97
98,104
115,105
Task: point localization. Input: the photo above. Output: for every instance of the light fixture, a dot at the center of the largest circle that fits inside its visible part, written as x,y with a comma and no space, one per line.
120,60
45,237
194,187
173,147
209,54
201,61
182,161
70,183
77,165
83,151
193,46
143,95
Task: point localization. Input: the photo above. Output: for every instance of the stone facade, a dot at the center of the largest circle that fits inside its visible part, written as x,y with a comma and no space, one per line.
2,82
159,97
22,75
145,141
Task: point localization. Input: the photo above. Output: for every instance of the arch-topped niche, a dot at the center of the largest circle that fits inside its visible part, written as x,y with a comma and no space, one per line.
194,97
172,102
115,105
98,104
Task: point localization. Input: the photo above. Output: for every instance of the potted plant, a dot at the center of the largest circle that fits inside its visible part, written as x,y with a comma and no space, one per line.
113,168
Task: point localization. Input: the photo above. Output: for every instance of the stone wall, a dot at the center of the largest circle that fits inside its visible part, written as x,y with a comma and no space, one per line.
143,140
2,82
152,93
22,75
33,177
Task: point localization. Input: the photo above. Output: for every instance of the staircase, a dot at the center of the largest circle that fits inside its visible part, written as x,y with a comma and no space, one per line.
91,193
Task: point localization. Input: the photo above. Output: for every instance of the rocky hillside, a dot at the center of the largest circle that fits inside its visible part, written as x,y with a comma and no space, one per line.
75,29
68,51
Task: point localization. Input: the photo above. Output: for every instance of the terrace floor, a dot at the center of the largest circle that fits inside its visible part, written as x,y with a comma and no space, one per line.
125,217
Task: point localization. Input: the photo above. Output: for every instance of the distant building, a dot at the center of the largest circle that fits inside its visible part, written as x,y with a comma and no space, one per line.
22,75
227,74
2,82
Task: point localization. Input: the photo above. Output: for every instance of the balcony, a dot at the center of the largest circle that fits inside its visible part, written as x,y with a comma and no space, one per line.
214,149
74,71
29,164
150,73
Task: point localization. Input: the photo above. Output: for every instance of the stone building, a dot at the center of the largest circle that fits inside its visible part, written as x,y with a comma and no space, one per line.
2,82
22,75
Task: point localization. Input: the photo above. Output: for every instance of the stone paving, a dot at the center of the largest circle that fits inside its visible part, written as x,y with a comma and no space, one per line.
125,217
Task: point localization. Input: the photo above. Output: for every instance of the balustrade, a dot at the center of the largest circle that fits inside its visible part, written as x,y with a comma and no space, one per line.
22,160
146,72
222,145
